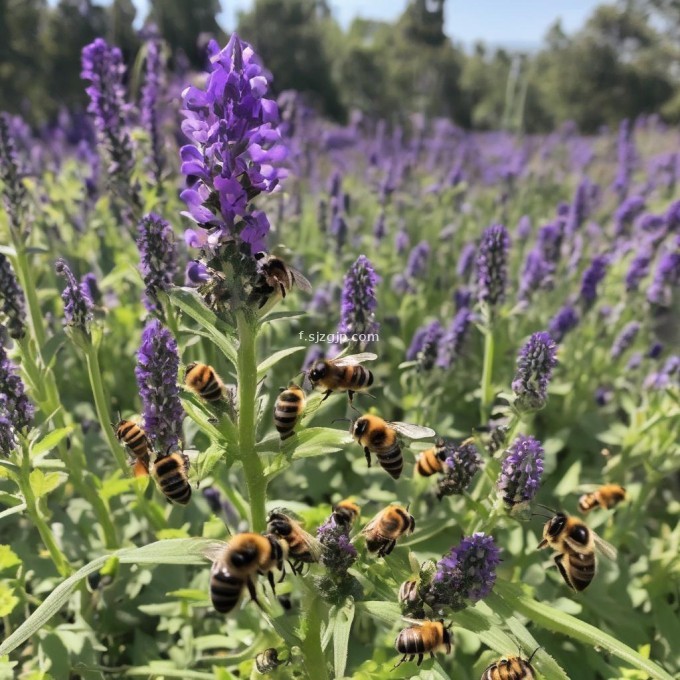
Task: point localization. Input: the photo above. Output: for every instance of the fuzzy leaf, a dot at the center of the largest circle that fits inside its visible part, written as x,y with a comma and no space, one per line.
343,625
316,441
42,483
50,441
189,301
8,558
274,359
7,600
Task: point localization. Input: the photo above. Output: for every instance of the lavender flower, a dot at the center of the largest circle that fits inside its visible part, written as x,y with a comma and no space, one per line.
153,73
625,339
379,230
603,395
564,321
156,372
521,471
492,262
401,242
537,273
461,464
466,261
339,230
523,229
462,297
14,192
655,350
358,303
339,553
578,210
549,242
535,364
158,258
627,156
12,298
89,283
417,260
634,362
639,268
16,411
453,338
626,213
666,277
425,345
235,148
103,67
77,301
213,499
466,575
668,376
591,279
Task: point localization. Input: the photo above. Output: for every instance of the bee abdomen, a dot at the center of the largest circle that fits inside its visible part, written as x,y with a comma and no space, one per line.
428,463
410,642
361,378
225,591
391,461
587,502
172,479
582,570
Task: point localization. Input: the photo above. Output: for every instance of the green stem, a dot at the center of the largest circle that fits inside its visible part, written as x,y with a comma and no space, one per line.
246,370
101,405
26,280
486,398
314,658
58,558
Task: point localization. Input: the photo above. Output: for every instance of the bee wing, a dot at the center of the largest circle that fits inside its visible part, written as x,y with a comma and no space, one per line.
300,281
412,431
370,527
315,547
214,551
355,359
606,549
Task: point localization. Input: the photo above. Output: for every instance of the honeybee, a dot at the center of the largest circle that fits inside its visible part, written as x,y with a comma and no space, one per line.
237,563
134,438
607,497
303,548
204,381
345,513
386,528
140,468
170,473
575,545
380,437
289,407
344,374
267,661
511,668
431,461
423,638
277,277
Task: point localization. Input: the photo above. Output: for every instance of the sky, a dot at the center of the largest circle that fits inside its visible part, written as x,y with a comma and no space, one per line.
519,24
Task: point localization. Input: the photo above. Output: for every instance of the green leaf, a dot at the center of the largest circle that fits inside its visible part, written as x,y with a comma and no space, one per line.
280,316
315,441
8,558
163,669
552,619
190,302
343,625
42,483
274,359
172,551
208,459
50,441
387,612
7,600
13,510
189,594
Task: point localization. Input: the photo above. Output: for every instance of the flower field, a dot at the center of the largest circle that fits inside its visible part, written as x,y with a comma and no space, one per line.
372,377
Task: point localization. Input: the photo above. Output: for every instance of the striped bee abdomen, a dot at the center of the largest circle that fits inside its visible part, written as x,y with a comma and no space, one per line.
225,590
171,474
289,407
391,460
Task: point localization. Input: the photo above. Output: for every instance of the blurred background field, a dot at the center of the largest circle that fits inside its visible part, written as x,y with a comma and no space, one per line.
405,141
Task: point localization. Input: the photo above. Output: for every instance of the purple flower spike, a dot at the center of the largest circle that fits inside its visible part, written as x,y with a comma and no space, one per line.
236,150
454,338
625,339
417,260
461,464
564,321
466,261
666,277
466,575
639,268
13,191
358,304
535,364
339,554
667,377
492,263
592,277
16,411
77,301
425,345
158,258
153,73
521,471
103,67
12,299
156,372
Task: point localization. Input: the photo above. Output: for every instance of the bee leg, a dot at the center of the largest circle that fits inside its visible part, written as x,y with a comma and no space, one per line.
253,593
327,394
401,661
270,578
367,453
420,659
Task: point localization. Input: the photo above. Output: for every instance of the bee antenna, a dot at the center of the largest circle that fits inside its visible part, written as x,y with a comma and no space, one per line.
538,514
533,654
540,505
349,420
